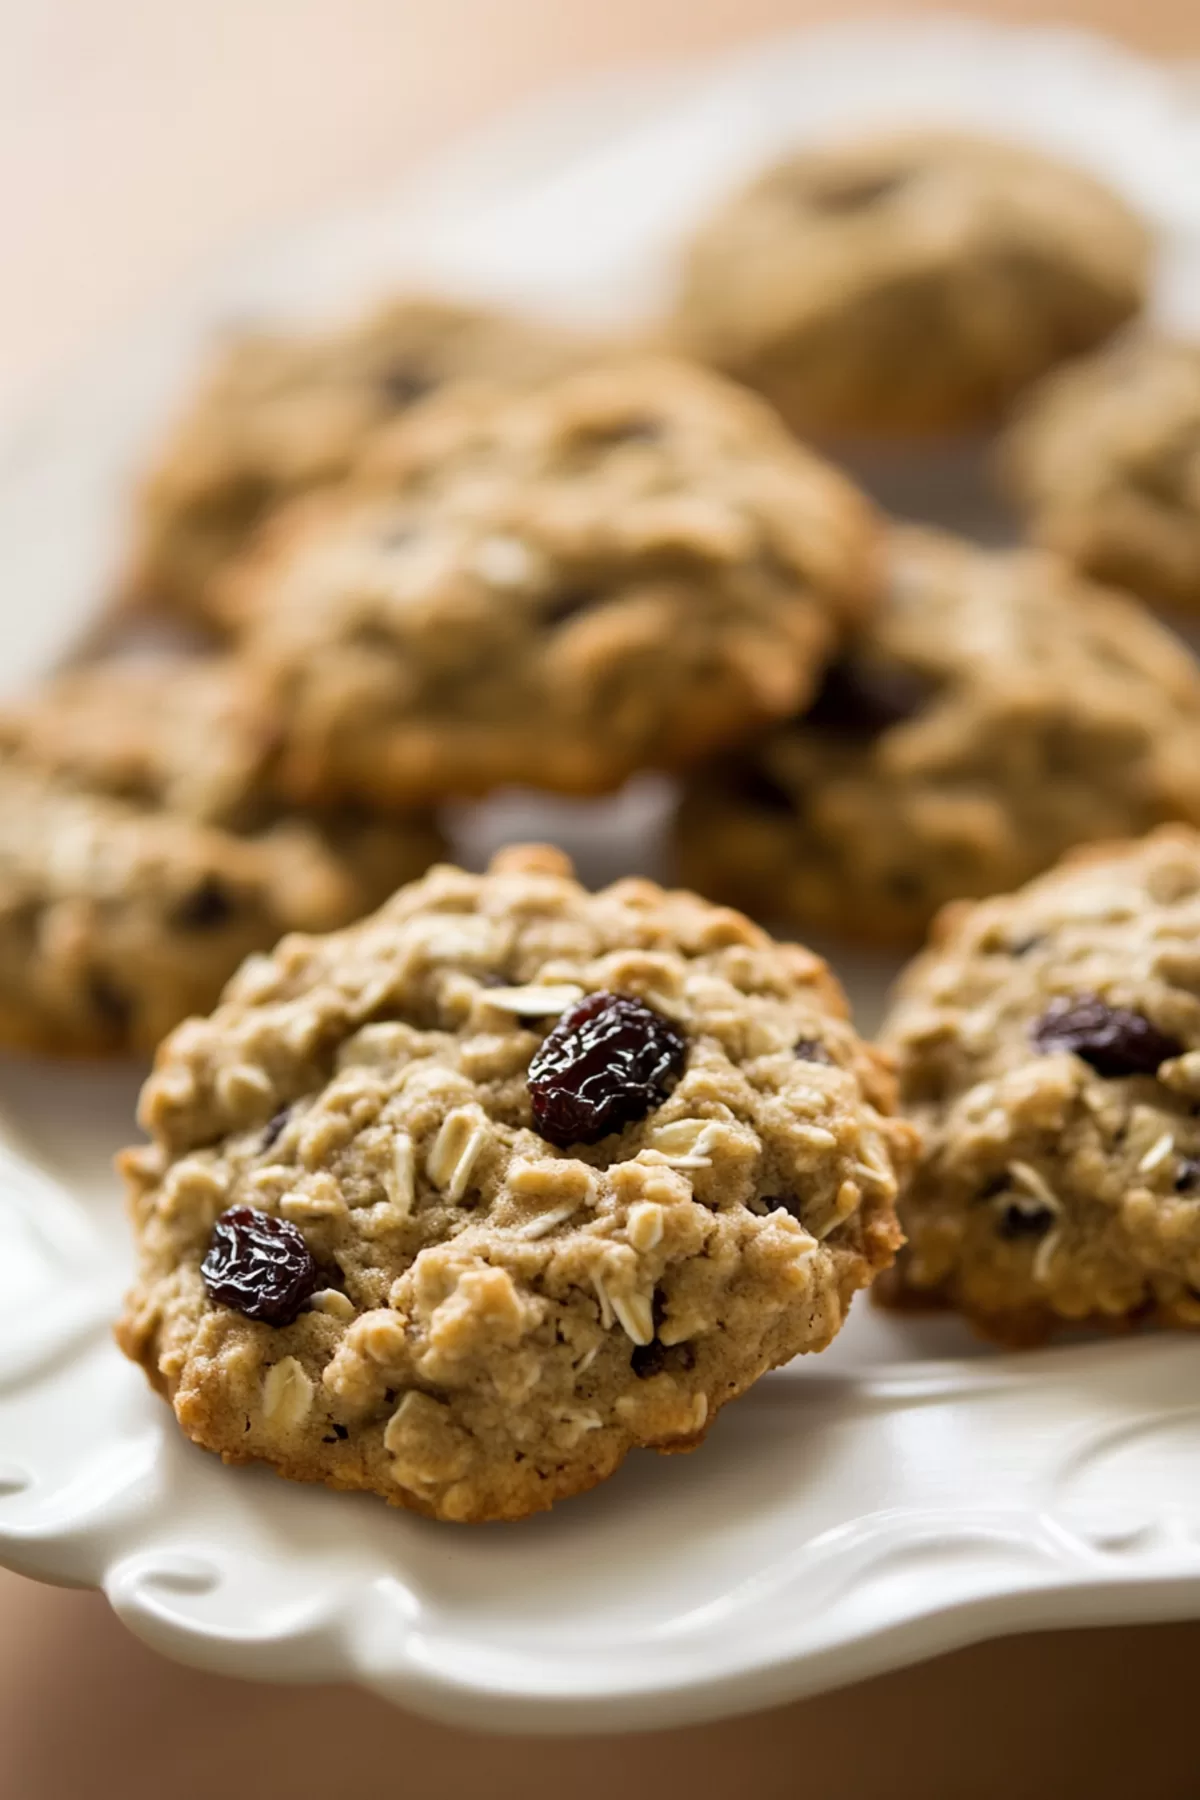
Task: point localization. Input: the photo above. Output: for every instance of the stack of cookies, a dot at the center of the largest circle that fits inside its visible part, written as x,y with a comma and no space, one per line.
460,1199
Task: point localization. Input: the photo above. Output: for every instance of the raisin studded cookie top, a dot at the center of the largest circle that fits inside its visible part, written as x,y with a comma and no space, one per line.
1105,458
911,282
281,414
465,1202
1049,1046
143,855
625,569
996,712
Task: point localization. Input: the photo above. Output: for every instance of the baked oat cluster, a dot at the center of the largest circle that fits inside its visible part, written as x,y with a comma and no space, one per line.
621,570
281,414
909,283
465,1202
1104,457
998,710
1049,1050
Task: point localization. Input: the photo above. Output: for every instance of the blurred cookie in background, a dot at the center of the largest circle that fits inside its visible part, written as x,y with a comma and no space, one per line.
116,923
143,854
1104,457
282,413
1048,1045
623,569
997,711
909,283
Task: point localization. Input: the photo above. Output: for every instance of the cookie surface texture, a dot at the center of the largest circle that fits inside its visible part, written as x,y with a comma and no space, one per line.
1049,1048
1104,459
999,710
465,1315
910,283
278,415
620,571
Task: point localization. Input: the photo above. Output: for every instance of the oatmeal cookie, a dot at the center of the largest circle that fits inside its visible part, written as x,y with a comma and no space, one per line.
185,734
279,415
1104,457
909,283
623,570
142,854
465,1202
997,711
116,922
1049,1047
195,736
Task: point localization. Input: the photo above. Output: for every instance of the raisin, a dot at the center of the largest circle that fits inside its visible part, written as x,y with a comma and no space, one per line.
568,603
639,428
209,906
653,1358
904,885
606,1064
811,1050
260,1266
1187,1174
403,384
373,635
1113,1040
753,786
853,193
1022,1219
109,1002
863,700
648,1359
273,1129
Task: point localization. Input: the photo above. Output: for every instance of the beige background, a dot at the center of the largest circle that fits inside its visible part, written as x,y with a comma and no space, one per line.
138,137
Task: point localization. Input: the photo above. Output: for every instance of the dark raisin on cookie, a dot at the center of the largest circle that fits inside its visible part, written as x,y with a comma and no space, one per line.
656,1358
109,1002
568,603
753,786
1020,1218
259,1266
209,906
273,1129
403,384
607,1063
1187,1174
648,1359
641,428
811,1050
854,193
1111,1039
862,699
372,635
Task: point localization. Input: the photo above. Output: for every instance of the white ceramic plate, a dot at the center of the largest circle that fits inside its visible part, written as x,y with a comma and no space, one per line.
901,1494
